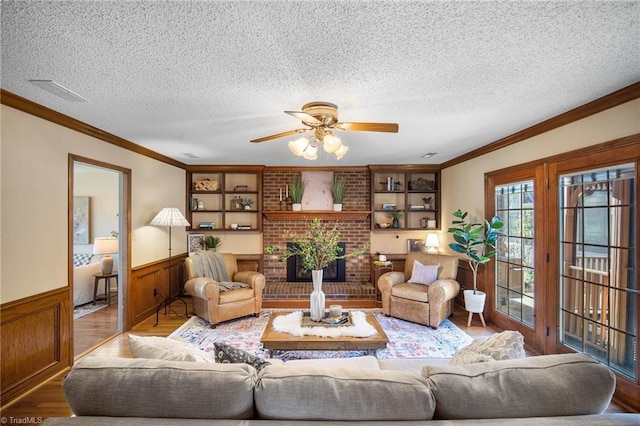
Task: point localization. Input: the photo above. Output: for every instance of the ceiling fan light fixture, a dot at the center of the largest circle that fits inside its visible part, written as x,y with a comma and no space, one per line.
297,147
341,151
331,143
310,153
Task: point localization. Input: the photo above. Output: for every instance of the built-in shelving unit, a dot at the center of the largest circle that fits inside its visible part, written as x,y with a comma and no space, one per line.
224,198
411,192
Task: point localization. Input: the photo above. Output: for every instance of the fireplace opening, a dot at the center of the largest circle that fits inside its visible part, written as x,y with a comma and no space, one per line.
335,272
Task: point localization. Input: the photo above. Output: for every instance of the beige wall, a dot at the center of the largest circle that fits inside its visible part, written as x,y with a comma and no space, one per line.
33,210
463,184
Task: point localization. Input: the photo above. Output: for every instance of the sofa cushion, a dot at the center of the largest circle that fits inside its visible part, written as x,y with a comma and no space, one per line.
227,354
168,349
341,394
508,344
130,387
548,385
423,274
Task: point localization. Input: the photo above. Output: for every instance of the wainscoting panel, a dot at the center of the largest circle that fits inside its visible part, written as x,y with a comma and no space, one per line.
36,341
150,285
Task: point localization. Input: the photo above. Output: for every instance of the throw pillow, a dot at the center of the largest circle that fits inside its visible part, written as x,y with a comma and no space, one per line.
226,354
168,349
81,259
505,345
423,274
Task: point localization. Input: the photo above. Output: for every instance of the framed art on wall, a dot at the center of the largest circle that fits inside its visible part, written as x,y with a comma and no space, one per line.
414,245
195,242
80,220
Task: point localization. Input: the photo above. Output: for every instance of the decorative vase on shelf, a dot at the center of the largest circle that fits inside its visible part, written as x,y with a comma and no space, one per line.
316,306
296,207
395,223
337,207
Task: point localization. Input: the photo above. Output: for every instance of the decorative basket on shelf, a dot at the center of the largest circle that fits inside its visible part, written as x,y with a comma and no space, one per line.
206,185
421,184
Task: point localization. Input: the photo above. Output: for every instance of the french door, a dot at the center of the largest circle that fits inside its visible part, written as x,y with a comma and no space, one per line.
517,273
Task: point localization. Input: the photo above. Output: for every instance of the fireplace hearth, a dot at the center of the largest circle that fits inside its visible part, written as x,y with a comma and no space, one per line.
335,272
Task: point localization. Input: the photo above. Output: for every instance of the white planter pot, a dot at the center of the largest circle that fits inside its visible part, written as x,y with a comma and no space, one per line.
474,302
296,207
337,207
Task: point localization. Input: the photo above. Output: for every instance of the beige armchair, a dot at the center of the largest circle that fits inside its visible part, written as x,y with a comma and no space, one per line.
216,306
424,304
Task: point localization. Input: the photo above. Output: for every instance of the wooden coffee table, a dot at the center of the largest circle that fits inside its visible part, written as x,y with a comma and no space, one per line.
274,340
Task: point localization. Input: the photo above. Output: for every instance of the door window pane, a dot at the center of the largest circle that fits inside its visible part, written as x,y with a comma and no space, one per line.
597,266
515,276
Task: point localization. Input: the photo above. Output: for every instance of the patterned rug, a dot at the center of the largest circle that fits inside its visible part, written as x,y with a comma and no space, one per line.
88,308
406,339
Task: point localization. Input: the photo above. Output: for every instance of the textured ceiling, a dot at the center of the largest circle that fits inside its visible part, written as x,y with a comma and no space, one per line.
203,77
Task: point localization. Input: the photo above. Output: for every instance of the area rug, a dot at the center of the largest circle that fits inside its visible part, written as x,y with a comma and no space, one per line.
406,339
88,308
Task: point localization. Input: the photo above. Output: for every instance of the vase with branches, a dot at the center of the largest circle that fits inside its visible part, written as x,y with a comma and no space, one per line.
212,242
317,248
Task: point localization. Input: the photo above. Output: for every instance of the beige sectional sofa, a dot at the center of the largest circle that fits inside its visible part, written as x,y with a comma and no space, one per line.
552,389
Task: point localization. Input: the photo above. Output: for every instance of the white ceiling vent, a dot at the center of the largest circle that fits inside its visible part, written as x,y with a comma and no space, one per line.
58,90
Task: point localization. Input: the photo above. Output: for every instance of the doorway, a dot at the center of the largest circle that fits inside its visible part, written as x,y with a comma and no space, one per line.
99,202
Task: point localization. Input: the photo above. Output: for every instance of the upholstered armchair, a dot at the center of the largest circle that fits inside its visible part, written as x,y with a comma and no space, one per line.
215,304
423,295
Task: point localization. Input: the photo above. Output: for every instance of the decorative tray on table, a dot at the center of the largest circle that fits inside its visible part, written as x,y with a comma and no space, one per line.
327,321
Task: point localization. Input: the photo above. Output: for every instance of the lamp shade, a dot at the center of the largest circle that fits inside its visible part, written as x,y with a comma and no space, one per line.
105,245
432,242
170,216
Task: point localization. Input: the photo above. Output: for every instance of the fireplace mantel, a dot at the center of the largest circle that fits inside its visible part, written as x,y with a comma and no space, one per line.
320,214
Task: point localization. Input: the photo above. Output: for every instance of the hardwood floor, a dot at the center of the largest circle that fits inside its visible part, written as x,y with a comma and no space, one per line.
92,330
48,399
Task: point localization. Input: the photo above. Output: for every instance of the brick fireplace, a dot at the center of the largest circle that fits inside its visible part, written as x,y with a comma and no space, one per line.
353,232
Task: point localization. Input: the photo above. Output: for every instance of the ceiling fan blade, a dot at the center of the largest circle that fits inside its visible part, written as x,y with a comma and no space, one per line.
369,127
304,117
279,135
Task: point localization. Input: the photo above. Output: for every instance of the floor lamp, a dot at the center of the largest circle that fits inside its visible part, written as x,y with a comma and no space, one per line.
170,217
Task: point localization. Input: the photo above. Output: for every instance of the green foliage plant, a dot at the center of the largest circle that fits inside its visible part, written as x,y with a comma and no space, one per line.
296,189
476,240
318,246
212,242
338,186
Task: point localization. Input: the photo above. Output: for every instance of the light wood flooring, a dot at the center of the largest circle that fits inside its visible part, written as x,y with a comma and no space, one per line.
48,400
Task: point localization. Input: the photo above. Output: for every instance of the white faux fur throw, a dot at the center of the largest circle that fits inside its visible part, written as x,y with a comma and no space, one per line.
292,324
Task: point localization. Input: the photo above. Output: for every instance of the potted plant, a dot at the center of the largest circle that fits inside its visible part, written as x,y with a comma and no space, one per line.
246,203
476,240
212,242
296,191
395,215
317,248
338,186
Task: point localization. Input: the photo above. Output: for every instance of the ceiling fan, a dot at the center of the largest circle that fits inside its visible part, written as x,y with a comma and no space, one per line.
321,118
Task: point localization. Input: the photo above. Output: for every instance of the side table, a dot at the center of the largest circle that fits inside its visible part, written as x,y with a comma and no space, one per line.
379,269
107,285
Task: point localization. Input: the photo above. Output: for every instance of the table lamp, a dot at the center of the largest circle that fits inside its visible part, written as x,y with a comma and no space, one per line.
432,242
106,246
